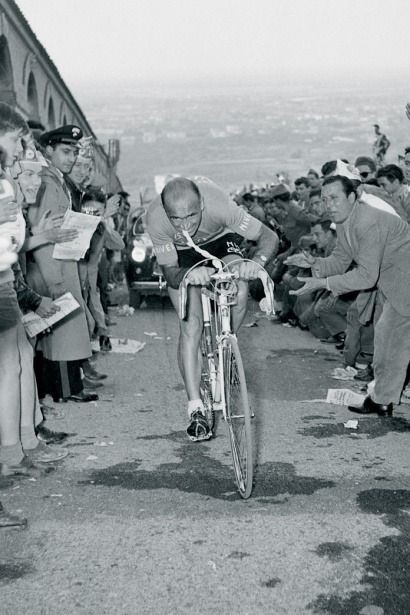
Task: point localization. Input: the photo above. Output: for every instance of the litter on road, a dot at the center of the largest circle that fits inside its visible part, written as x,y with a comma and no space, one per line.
126,346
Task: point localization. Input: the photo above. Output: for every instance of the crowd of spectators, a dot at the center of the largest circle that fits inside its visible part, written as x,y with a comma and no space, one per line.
301,219
43,175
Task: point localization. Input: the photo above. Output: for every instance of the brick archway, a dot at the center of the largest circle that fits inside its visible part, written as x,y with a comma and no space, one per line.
7,92
32,98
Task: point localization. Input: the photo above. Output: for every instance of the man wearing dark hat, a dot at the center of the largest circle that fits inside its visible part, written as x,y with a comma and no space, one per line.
69,343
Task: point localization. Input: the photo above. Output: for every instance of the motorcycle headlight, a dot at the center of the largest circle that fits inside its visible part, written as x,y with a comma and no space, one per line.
138,253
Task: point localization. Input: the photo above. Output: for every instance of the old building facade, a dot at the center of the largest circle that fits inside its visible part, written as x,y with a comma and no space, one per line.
31,83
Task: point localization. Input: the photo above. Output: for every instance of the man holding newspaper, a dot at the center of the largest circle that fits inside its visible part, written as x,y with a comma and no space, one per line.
53,269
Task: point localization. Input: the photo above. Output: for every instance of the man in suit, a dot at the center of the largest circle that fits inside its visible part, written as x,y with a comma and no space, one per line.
69,343
379,243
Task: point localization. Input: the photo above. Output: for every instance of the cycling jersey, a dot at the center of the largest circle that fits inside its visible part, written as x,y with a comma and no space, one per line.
220,215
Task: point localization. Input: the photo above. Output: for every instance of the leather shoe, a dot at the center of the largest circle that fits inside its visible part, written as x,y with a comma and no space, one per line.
91,384
365,375
7,520
44,453
371,407
92,375
84,397
44,434
105,343
25,468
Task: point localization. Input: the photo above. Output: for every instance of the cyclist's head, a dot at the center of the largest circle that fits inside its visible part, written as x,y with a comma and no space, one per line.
183,204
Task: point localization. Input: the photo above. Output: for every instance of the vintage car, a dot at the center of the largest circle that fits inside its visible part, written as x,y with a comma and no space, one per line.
143,275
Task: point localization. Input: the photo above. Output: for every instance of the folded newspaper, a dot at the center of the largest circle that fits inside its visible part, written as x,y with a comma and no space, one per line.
344,397
34,324
85,225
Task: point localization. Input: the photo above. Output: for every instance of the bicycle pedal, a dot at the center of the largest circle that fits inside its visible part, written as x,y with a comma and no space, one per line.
201,438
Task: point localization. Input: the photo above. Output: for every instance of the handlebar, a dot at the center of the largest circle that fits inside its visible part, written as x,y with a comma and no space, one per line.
224,275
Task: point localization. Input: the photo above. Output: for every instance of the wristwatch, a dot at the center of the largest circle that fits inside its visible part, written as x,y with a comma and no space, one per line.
262,259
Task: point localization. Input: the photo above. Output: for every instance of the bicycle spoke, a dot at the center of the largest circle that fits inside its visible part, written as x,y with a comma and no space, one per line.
238,418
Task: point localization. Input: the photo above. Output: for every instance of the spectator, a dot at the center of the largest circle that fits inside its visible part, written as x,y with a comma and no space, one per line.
69,343
314,180
94,203
379,242
316,206
302,188
366,167
391,179
406,165
381,145
19,446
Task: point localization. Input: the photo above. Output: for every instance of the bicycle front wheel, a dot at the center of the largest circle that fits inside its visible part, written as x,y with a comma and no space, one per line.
238,416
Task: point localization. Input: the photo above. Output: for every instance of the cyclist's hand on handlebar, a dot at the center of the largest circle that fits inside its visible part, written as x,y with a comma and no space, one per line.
248,270
201,276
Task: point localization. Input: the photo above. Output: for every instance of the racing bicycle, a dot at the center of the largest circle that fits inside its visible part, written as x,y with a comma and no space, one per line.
223,383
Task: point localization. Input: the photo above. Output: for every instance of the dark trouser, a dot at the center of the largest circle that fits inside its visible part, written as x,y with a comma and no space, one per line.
102,281
305,311
60,379
391,355
359,338
332,313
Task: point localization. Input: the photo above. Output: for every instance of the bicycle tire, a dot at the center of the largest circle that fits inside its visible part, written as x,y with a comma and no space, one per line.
205,387
238,416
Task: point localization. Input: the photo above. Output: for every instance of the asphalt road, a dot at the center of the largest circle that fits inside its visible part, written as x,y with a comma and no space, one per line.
139,521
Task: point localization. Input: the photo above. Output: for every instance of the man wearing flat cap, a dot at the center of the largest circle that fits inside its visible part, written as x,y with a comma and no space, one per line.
69,343
294,220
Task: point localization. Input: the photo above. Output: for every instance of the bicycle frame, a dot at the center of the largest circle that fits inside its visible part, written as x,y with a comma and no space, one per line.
222,317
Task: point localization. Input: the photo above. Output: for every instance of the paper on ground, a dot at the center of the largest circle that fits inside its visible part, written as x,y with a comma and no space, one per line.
76,249
34,324
352,424
344,397
344,373
126,346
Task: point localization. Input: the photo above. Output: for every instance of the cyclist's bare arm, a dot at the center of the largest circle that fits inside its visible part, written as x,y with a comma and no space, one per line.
174,275
267,245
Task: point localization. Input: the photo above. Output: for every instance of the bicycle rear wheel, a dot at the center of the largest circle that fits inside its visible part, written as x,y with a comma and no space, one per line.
238,416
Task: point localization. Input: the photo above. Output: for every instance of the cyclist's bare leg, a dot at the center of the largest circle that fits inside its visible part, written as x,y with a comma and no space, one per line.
239,310
189,340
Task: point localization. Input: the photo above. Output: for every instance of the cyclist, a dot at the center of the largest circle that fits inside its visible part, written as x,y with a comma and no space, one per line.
213,222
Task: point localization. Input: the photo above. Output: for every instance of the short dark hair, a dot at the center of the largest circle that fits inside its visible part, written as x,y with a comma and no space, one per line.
302,180
347,185
313,172
248,197
330,166
391,172
177,188
284,197
94,194
407,150
325,223
365,160
11,120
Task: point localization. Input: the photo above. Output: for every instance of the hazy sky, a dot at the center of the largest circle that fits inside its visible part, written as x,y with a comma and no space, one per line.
106,40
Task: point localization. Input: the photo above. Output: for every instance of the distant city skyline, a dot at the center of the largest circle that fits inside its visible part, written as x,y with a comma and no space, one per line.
163,41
